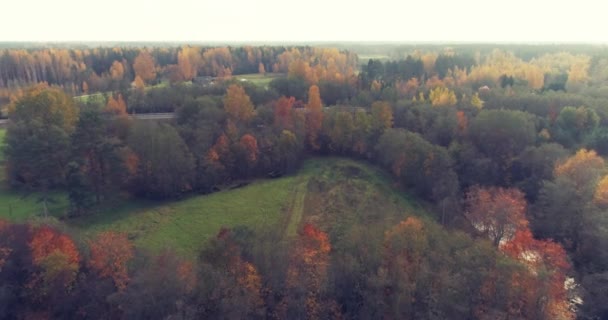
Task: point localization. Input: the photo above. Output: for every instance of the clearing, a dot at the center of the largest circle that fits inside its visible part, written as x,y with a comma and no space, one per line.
336,194
261,80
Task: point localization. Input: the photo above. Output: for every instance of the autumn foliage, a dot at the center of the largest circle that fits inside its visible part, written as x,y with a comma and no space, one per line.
110,254
314,117
237,104
498,212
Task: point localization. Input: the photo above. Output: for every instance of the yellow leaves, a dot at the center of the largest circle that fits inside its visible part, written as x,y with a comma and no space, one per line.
237,104
442,96
582,168
600,197
188,62
476,101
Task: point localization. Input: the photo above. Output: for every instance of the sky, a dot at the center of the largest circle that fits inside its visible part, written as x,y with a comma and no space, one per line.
581,21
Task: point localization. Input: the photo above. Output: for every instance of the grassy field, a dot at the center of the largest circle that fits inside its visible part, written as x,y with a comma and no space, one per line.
334,193
186,225
261,80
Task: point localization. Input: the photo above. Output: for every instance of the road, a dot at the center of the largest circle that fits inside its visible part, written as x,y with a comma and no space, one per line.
141,116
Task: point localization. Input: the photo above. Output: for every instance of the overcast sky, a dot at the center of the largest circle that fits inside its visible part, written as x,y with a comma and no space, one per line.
302,20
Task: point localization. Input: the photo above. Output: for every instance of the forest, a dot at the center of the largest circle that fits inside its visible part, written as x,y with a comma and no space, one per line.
304,182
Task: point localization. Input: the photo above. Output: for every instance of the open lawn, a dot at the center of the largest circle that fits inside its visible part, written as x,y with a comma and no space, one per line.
261,80
187,224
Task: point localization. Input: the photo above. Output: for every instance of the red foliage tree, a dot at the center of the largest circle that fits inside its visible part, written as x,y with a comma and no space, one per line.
250,145
498,212
110,253
283,118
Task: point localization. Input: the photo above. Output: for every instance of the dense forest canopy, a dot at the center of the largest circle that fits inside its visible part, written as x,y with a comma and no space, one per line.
500,147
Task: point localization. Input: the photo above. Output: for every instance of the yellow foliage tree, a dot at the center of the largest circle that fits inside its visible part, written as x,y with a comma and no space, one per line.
442,96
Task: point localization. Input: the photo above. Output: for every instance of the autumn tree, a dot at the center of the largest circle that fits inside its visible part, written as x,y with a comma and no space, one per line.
145,66
314,117
38,140
116,106
110,254
565,210
382,116
58,259
250,144
188,61
497,212
283,117
544,295
442,96
307,276
237,104
261,69
117,71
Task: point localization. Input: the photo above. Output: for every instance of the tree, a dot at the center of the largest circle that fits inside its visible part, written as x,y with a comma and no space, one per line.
283,117
145,66
575,125
38,140
548,263
98,155
250,145
110,253
261,69
117,71
188,61
502,135
237,104
382,117
497,212
166,166
600,197
116,106
314,117
442,96
56,256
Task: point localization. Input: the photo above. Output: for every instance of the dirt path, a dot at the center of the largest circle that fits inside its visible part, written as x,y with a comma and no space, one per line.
296,207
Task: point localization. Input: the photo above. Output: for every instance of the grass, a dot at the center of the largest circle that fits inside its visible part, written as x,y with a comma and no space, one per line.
261,80
277,205
335,193
186,225
14,206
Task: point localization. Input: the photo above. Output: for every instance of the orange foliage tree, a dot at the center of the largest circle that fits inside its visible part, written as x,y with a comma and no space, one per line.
283,118
117,106
56,255
544,293
314,119
250,145
110,253
237,104
145,66
307,274
498,212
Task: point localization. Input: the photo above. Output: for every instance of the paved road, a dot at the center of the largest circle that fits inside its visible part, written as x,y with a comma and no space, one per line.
153,116
142,116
